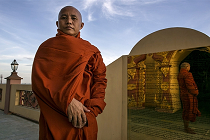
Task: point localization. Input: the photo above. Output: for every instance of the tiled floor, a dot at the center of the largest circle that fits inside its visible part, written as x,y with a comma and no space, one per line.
148,124
13,127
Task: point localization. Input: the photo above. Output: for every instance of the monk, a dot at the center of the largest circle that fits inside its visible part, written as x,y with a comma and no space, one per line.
68,79
188,94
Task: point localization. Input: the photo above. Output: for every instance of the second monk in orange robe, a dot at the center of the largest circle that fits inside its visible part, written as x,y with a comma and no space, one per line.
68,79
188,94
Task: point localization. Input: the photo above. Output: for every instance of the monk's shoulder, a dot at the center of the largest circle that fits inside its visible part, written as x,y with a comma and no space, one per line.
48,41
89,45
182,74
189,74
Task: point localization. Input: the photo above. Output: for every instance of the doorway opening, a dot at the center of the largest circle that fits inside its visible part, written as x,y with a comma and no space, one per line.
200,68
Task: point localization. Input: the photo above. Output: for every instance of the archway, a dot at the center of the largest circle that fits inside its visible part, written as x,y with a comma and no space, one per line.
200,68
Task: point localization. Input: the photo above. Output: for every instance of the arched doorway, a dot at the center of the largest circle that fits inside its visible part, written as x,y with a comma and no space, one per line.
200,68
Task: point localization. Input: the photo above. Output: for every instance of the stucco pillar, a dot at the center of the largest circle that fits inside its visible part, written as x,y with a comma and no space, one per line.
12,79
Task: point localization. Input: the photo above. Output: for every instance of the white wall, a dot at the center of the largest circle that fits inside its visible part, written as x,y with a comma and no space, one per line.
112,123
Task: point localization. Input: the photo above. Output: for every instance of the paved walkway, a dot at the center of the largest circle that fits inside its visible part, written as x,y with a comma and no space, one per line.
13,127
144,124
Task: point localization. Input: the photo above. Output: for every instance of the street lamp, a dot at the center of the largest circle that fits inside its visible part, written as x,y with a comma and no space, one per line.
12,79
14,65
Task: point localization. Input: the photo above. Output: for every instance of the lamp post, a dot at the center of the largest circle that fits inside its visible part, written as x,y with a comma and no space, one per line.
12,79
14,65
15,79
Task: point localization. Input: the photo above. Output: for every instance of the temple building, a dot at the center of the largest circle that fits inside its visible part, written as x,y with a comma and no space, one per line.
145,81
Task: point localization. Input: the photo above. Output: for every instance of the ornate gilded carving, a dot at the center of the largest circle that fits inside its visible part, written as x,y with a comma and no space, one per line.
162,66
208,49
136,81
165,86
131,86
164,104
165,67
131,69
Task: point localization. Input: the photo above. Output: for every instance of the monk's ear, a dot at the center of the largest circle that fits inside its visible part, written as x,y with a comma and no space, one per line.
82,25
57,23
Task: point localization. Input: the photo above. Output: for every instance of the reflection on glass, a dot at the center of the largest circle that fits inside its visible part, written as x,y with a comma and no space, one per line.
154,105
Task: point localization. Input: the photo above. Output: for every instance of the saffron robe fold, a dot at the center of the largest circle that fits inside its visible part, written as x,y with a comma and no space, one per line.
188,94
67,67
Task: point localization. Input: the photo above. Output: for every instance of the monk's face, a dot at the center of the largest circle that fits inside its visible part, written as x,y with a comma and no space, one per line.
70,21
188,68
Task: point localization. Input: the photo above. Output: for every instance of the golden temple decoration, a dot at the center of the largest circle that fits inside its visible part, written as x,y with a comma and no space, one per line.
156,100
164,66
136,72
164,54
131,86
132,102
141,65
174,54
150,55
165,86
208,49
159,80
164,104
131,69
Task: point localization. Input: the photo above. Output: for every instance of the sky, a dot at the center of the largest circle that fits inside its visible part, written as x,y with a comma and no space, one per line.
114,26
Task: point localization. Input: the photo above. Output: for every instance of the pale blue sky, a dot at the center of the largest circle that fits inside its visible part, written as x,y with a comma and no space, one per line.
114,26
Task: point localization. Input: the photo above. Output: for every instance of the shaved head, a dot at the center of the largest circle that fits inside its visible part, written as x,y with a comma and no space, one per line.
185,65
70,21
69,7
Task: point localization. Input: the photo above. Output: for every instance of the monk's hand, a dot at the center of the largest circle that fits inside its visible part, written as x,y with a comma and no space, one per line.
76,113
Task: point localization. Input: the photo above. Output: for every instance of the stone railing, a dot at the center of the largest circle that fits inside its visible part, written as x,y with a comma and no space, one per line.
23,102
0,95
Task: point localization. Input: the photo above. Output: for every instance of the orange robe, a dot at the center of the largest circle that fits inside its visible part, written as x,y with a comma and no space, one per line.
188,94
64,68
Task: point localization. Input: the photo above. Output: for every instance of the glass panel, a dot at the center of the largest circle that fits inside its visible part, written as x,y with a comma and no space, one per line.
154,104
